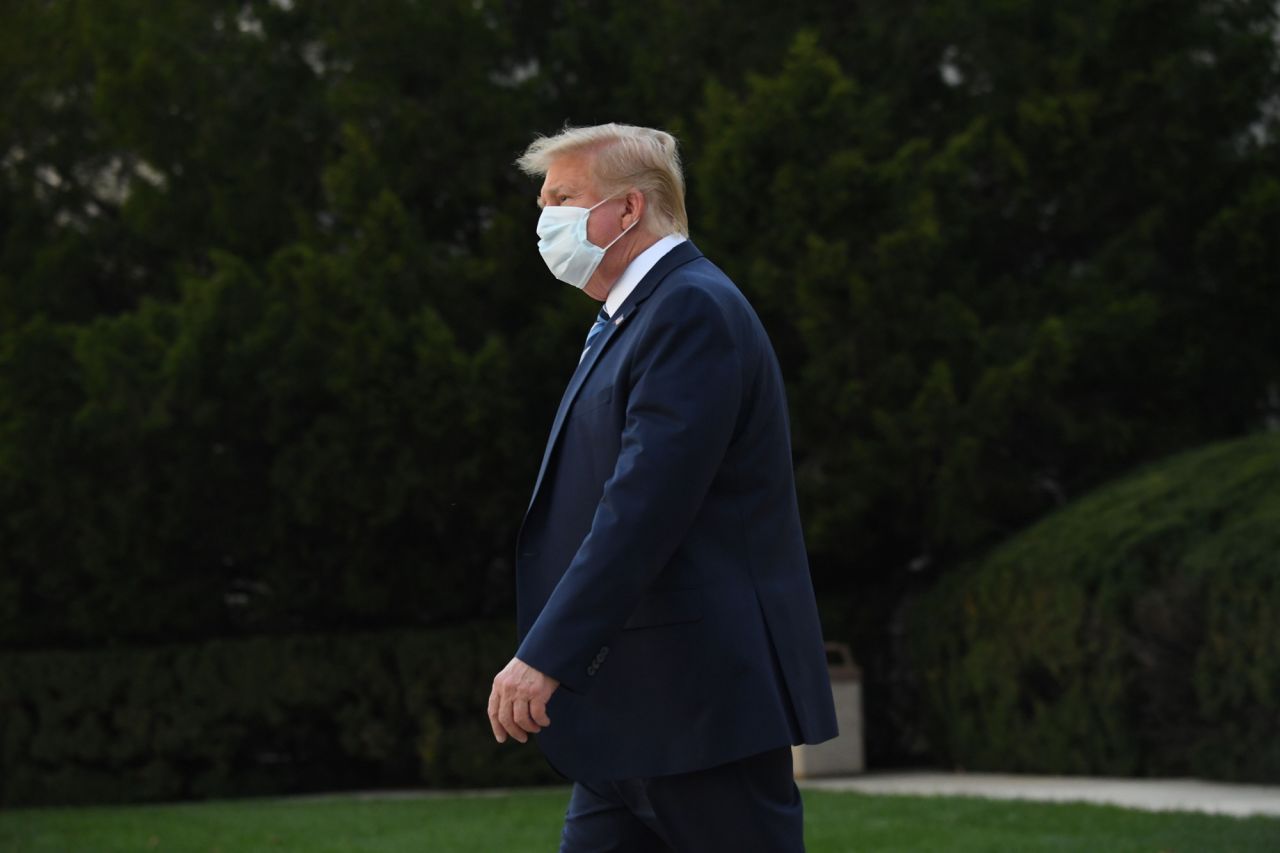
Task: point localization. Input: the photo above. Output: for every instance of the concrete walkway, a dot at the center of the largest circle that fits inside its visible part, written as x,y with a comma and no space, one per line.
1147,794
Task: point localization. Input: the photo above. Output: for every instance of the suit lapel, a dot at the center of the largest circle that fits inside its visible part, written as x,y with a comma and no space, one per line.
677,257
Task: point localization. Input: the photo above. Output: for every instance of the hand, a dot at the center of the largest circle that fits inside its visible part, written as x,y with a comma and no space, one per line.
518,701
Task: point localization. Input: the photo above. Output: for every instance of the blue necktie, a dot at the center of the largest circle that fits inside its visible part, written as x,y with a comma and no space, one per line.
602,320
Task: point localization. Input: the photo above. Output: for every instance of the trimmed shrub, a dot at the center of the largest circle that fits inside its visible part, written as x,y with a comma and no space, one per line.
256,716
1136,632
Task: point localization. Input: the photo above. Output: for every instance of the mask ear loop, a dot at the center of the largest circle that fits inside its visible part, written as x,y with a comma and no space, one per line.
622,234
624,230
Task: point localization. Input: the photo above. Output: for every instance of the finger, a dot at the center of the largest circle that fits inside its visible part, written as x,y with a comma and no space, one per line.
508,722
520,713
499,733
538,710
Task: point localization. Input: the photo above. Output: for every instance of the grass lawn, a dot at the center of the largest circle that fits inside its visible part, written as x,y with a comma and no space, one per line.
531,821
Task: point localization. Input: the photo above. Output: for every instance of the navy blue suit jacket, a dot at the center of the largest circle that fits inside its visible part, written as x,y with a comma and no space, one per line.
662,575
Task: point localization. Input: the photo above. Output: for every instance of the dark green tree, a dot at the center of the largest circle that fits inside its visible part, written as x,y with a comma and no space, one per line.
1127,634
248,378
277,352
979,325
1053,278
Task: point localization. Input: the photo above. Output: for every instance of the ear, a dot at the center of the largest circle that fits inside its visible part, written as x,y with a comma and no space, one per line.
633,211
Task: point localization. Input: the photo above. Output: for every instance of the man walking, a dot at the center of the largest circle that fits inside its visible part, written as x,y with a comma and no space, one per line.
670,652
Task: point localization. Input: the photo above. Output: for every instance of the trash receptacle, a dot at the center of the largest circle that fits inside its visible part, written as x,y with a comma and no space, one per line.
843,754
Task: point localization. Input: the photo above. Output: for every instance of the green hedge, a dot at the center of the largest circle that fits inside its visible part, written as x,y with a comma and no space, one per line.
1136,632
256,716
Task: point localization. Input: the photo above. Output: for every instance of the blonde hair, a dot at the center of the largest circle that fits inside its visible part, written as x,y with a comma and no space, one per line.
625,156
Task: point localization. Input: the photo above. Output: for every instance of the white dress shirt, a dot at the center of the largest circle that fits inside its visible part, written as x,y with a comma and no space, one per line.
637,270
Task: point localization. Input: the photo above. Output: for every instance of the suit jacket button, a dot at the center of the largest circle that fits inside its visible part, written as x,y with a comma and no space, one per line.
591,670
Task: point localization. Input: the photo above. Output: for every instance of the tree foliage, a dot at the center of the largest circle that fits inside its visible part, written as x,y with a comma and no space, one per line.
1131,633
256,716
989,312
277,353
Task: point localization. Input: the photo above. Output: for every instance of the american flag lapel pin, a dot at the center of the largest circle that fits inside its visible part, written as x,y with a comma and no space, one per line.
619,319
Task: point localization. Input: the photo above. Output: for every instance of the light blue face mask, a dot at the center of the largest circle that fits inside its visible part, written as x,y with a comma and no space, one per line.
563,243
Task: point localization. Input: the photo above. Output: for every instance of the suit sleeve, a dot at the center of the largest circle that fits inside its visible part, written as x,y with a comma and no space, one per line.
683,401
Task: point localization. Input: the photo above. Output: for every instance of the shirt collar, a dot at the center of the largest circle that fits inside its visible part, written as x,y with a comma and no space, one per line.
637,270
